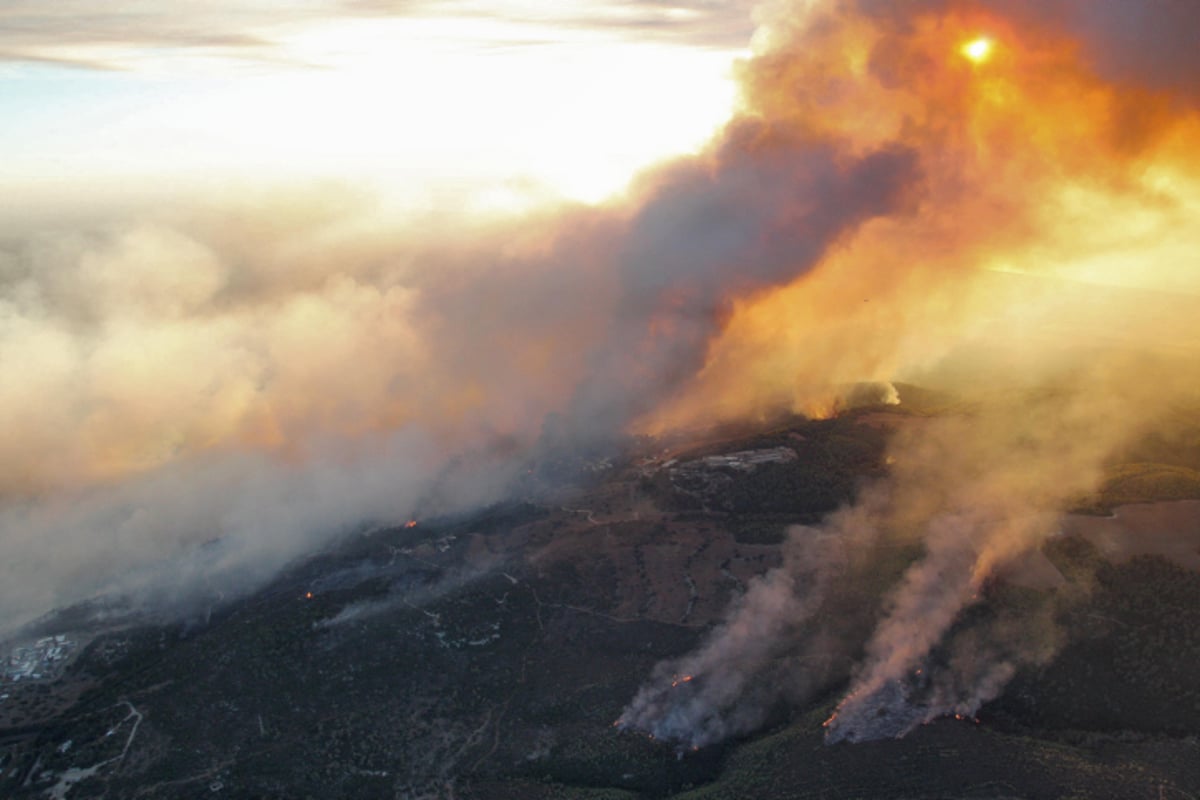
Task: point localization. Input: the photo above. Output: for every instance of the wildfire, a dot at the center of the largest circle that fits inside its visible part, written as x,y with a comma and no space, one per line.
1015,166
412,523
679,680
308,595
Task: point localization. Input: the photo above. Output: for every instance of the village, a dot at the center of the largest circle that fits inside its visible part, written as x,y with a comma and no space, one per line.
42,660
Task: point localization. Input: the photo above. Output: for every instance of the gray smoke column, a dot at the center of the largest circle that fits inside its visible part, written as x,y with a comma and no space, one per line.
979,491
710,695
885,700
749,662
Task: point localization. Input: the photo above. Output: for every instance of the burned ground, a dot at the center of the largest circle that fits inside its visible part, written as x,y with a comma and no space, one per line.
488,656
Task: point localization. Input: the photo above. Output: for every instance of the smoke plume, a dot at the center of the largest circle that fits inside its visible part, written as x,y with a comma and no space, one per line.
197,392
267,370
978,492
727,687
1043,271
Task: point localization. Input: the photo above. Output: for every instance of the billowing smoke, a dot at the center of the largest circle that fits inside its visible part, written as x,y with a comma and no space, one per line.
760,211
978,492
728,686
197,393
779,642
1053,169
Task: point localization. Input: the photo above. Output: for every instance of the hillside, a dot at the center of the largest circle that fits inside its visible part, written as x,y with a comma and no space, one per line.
488,656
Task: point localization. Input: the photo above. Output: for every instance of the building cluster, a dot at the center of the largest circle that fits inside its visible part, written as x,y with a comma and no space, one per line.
37,661
742,460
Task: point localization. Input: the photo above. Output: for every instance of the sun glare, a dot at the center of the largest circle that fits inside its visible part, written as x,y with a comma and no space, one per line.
977,50
415,104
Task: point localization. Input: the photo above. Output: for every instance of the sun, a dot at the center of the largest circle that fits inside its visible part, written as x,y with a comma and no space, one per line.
977,50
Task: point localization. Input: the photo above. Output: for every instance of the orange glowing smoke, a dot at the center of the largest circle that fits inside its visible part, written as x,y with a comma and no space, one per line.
1030,165
412,523
1027,162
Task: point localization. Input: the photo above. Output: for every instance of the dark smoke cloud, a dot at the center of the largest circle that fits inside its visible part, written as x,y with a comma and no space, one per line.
1145,43
1149,43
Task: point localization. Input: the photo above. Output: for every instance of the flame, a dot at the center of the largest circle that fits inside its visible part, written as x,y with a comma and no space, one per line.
308,595
838,709
679,680
412,523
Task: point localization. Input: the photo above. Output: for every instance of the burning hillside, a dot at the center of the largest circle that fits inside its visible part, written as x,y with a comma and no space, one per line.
1034,175
938,189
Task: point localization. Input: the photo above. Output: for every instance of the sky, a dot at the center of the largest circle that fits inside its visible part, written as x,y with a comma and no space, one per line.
529,97
273,271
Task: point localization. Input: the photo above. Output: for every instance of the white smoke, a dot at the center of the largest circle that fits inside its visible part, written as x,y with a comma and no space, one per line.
772,644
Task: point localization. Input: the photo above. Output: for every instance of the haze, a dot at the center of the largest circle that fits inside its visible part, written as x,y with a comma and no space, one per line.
283,273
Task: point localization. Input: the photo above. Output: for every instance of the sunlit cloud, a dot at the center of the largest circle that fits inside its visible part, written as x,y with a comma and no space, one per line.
529,99
152,35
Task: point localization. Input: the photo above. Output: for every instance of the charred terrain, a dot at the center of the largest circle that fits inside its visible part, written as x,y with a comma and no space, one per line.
489,655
